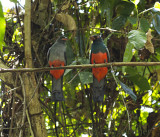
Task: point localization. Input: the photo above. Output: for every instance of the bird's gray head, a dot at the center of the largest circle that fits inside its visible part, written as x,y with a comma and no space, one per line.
62,39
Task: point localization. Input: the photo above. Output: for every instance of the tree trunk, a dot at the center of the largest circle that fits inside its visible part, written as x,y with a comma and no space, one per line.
30,85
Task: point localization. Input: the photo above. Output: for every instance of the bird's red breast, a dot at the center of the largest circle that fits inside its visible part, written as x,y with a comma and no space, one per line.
99,58
57,73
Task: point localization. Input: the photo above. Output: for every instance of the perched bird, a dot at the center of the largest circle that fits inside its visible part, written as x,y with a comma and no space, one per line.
56,58
99,54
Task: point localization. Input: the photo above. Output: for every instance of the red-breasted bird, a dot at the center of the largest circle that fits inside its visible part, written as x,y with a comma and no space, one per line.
56,58
99,54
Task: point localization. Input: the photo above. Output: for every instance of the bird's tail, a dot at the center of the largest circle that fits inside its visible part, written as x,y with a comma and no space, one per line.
98,90
57,92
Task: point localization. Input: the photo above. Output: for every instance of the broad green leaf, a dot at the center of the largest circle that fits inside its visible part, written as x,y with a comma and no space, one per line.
69,52
128,90
137,38
131,71
86,77
140,81
106,7
144,25
15,1
119,22
132,20
156,22
2,26
157,6
125,8
128,54
137,79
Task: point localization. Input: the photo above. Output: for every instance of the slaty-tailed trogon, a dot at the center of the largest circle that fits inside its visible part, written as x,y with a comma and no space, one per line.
99,54
56,58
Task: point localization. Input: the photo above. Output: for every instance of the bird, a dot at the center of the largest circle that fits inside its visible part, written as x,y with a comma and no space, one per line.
56,58
99,54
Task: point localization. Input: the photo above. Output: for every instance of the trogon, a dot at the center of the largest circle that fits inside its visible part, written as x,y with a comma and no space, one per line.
57,58
99,54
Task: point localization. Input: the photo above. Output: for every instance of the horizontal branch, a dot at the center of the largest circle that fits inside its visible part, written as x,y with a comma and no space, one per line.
84,66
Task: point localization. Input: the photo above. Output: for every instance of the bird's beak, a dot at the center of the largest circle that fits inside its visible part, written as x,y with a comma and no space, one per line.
92,38
64,39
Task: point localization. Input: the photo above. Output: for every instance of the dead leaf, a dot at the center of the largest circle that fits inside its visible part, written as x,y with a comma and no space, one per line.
148,44
67,20
66,5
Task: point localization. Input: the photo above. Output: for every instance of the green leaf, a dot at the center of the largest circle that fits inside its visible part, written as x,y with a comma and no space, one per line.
128,90
119,22
69,52
137,38
15,1
2,26
137,79
144,25
131,71
86,77
140,81
106,7
125,8
156,22
128,52
132,20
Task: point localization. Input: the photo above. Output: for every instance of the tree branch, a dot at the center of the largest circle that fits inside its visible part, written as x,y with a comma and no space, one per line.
27,32
84,66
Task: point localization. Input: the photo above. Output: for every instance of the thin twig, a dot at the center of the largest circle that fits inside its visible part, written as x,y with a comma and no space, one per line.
11,91
122,97
29,121
36,89
74,77
13,108
84,66
145,11
24,106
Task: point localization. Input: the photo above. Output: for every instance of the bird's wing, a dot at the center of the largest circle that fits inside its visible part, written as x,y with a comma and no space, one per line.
108,54
90,56
65,56
48,54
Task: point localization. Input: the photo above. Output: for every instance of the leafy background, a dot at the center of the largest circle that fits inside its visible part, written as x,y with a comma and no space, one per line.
130,29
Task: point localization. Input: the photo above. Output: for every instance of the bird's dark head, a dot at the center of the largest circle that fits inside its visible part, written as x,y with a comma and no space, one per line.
95,38
62,39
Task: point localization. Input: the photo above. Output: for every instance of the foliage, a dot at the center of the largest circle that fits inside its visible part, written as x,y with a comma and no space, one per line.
130,107
2,26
